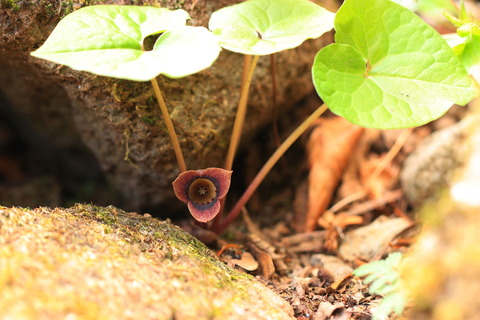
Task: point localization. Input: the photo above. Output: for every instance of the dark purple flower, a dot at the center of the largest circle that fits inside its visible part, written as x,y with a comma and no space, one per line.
201,190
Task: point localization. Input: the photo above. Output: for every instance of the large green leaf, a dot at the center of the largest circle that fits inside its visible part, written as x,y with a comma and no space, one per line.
388,69
108,39
260,27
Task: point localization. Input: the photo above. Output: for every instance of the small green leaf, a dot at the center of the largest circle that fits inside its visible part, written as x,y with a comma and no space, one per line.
261,27
453,20
388,69
469,54
108,39
468,29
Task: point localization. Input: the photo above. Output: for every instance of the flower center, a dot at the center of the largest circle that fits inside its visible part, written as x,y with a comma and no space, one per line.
202,191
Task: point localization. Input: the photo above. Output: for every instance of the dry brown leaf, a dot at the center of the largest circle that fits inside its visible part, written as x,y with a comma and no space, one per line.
334,225
246,261
382,173
377,186
351,181
371,240
376,203
326,310
370,174
329,148
265,261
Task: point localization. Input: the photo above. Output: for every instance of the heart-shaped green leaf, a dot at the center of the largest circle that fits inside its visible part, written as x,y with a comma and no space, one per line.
261,27
388,69
108,39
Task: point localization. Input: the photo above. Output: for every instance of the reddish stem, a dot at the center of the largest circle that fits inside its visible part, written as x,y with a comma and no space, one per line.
220,227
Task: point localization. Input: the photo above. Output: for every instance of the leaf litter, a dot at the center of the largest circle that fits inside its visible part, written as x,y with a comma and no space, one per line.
360,215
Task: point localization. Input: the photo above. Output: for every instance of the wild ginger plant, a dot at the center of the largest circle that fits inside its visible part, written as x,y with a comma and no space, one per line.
387,69
262,27
108,40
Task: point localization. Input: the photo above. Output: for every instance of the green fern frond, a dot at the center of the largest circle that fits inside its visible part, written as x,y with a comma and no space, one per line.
384,279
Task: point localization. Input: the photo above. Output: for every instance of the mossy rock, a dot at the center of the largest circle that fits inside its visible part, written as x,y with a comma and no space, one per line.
89,262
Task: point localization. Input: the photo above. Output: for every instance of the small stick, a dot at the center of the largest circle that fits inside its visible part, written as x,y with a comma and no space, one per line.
370,205
347,200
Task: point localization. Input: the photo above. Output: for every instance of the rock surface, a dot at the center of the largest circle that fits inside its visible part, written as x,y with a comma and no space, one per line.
431,167
119,121
442,268
90,262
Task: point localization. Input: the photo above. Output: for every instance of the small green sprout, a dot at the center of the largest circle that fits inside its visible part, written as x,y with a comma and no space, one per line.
466,41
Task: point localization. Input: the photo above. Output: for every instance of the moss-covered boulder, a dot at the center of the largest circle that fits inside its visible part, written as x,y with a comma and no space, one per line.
89,262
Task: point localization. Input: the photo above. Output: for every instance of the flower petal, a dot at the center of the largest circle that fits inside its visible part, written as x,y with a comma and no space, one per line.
183,181
220,177
204,213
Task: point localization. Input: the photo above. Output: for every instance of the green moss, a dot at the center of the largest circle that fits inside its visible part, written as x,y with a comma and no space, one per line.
102,214
166,4
67,7
149,120
150,101
9,4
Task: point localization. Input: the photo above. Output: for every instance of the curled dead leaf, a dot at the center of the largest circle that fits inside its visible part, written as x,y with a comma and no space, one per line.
329,147
246,261
265,261
326,310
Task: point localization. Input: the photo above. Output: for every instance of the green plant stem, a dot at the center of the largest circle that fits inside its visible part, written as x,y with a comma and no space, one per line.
169,124
267,167
249,67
